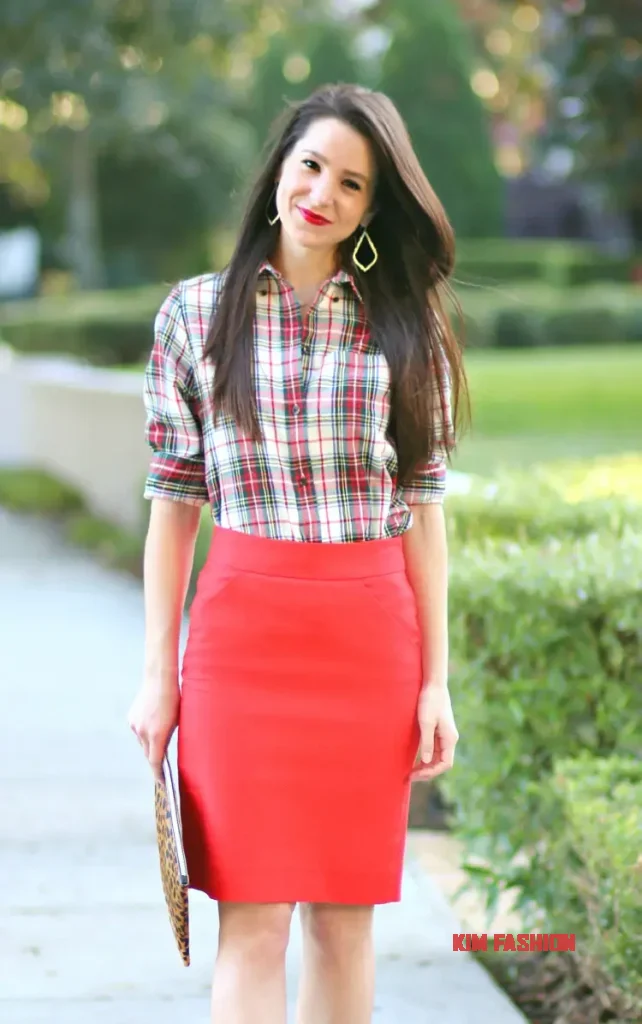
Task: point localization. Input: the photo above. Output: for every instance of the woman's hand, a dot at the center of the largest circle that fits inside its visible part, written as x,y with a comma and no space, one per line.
152,718
438,733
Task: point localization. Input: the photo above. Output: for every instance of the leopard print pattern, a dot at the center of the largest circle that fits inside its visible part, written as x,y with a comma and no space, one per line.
176,894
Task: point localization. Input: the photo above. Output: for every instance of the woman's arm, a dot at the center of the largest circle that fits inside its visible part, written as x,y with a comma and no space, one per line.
169,557
426,556
168,560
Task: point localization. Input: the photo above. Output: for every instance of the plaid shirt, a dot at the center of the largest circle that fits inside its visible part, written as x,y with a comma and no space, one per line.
325,470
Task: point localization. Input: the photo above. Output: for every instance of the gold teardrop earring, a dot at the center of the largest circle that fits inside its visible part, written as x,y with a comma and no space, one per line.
365,237
272,220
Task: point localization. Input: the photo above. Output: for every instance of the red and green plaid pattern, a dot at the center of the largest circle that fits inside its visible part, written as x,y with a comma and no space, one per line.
325,470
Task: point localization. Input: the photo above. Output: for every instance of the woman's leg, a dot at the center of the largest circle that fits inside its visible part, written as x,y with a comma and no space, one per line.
249,974
337,986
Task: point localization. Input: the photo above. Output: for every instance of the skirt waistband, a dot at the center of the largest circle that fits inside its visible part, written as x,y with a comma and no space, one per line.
305,560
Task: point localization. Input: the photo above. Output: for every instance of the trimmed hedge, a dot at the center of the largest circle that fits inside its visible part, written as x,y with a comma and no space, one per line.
105,328
554,262
593,867
546,643
564,500
115,327
34,492
528,316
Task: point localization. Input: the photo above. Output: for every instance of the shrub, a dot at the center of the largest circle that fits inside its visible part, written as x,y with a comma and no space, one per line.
115,327
593,862
104,328
35,492
592,865
558,263
477,518
598,325
114,546
546,645
524,315
566,499
582,480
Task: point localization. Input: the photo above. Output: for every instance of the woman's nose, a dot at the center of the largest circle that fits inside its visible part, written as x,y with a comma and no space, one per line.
321,193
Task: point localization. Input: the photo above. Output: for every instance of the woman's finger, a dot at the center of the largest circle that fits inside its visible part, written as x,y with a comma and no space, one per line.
156,754
426,773
142,739
429,740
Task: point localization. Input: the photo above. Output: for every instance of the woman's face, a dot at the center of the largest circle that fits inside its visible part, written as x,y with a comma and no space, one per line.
326,185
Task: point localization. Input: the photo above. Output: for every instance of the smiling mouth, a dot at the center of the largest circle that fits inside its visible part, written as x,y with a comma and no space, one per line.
312,218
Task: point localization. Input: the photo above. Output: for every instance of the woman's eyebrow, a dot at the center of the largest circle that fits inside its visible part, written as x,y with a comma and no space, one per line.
351,174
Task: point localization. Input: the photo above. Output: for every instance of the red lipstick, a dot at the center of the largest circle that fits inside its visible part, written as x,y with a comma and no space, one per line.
312,218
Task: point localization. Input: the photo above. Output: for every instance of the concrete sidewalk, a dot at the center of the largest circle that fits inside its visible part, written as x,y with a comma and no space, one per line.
84,937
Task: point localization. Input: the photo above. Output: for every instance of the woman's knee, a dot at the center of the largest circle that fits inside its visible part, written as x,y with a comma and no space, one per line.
259,931
335,926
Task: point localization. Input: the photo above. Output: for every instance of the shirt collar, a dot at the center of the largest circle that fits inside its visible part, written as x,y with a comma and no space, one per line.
341,277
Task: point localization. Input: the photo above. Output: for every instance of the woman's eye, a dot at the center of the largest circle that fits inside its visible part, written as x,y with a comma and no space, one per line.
353,184
312,164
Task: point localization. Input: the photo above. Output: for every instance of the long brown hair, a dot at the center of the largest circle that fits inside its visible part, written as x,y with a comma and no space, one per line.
403,293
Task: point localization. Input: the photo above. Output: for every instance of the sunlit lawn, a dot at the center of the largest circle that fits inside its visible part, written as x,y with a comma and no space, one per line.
534,405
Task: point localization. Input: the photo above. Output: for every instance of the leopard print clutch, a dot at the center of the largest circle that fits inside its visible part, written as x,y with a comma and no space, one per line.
173,868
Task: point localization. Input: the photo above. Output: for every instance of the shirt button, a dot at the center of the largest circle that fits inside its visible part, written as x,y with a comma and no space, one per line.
296,409
302,481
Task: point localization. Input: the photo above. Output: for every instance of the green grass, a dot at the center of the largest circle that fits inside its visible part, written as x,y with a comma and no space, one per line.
545,404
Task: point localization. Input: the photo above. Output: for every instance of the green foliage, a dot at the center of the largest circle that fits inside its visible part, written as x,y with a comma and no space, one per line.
153,220
560,264
112,545
143,84
533,512
327,47
593,864
426,72
593,859
546,644
36,492
102,328
69,46
521,315
557,499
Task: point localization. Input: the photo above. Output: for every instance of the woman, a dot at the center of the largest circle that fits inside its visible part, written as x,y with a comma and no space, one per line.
307,394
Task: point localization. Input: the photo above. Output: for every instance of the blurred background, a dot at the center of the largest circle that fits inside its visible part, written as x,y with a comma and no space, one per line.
128,132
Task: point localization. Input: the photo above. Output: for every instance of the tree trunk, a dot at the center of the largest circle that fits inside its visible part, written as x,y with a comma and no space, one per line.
85,247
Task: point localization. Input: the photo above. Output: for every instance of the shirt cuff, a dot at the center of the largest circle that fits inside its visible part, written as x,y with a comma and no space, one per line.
430,488
176,478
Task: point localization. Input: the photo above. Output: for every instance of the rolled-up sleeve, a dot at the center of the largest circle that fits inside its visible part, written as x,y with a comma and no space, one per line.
172,427
429,481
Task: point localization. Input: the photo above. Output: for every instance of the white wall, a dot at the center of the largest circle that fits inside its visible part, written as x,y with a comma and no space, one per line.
84,425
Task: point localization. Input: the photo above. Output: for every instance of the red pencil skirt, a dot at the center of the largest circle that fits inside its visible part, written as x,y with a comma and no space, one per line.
298,721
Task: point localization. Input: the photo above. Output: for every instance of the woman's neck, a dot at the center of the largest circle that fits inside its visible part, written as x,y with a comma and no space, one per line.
304,269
